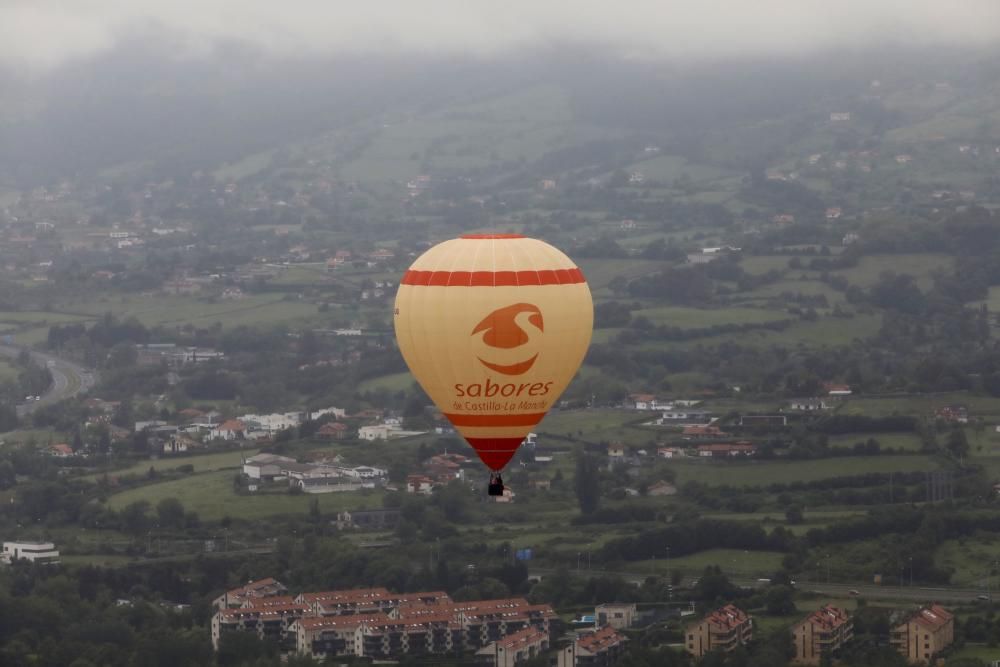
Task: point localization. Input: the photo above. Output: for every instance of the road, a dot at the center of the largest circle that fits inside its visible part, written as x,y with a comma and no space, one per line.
865,590
68,379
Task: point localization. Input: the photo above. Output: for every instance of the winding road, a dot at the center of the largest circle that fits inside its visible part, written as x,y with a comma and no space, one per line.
68,378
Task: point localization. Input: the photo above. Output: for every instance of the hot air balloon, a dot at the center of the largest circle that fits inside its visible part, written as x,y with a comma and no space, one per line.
494,327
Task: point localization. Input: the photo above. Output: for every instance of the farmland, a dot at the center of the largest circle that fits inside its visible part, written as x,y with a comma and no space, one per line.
764,473
211,495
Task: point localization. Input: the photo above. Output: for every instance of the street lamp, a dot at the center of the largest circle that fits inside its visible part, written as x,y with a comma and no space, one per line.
670,581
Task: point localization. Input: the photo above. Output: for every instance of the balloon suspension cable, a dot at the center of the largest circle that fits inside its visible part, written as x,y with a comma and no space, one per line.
496,484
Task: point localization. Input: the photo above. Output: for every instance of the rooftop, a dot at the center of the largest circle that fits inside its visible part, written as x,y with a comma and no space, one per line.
828,617
601,640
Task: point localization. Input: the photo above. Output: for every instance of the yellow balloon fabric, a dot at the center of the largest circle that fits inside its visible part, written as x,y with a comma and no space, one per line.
494,327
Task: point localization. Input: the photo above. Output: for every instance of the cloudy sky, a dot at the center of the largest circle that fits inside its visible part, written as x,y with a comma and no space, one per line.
37,35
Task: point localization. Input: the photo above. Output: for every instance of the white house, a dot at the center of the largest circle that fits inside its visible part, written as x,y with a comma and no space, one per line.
327,484
385,431
375,432
363,472
264,466
808,404
339,413
274,422
670,452
36,552
683,415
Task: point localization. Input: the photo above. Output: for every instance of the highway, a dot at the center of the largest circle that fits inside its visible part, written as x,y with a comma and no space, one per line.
68,379
915,593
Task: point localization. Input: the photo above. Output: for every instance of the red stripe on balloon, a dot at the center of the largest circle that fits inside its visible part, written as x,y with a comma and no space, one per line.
572,276
525,419
495,452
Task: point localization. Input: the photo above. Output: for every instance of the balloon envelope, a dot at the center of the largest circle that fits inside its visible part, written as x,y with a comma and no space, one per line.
494,327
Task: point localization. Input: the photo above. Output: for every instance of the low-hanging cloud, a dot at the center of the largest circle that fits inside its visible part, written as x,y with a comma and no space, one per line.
36,35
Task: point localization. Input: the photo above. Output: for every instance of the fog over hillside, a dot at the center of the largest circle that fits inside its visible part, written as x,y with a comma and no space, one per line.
36,35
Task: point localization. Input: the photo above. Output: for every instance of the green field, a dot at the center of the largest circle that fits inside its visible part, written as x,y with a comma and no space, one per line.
811,287
395,382
921,405
211,495
970,558
178,310
977,652
248,166
525,125
8,372
758,473
37,317
920,266
600,272
591,425
697,318
736,562
757,264
824,331
202,463
903,441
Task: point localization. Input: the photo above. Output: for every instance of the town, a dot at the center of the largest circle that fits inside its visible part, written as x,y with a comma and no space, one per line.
782,446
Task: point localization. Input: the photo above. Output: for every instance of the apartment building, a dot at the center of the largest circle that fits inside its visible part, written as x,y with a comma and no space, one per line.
821,633
36,552
367,601
600,648
375,623
269,619
486,621
618,615
323,636
924,634
261,588
722,630
514,649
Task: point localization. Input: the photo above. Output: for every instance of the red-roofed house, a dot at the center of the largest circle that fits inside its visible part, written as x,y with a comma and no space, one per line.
419,484
60,451
837,389
924,634
231,429
822,632
722,630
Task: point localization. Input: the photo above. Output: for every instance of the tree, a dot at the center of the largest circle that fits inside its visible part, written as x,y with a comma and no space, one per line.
780,601
793,515
133,517
586,483
958,444
170,513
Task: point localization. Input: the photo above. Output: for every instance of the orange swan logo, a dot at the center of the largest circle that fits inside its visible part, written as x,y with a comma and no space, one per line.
504,329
